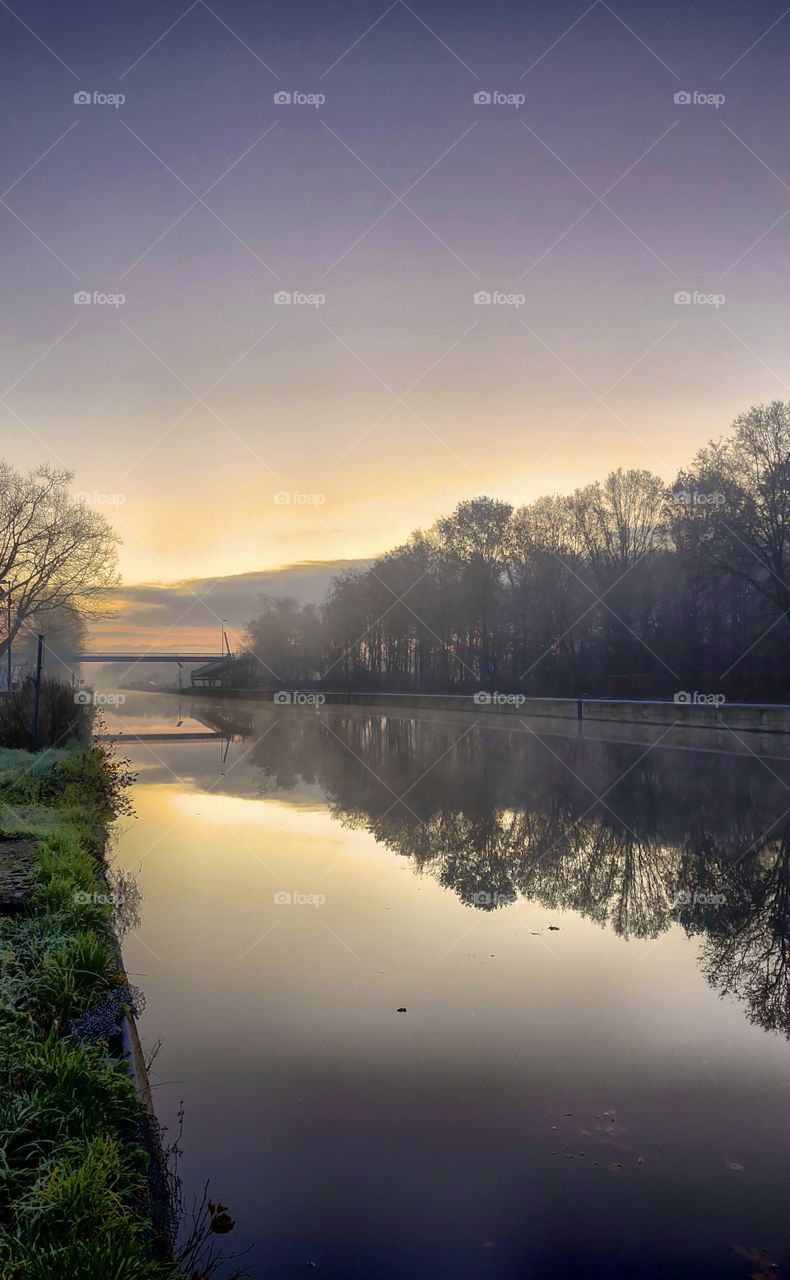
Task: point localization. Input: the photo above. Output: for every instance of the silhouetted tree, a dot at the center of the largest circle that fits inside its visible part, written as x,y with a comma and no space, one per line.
58,555
625,586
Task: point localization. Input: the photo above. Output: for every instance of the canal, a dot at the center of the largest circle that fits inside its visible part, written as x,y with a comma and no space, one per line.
445,997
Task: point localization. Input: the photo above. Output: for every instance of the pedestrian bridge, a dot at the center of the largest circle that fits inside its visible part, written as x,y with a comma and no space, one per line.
151,656
211,670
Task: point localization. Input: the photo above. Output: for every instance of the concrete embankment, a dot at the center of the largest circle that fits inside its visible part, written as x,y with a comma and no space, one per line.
739,716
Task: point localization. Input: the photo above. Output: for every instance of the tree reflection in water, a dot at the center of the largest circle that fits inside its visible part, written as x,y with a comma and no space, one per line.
635,839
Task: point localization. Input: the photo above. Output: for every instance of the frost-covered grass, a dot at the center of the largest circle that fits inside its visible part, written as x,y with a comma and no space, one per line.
72,1171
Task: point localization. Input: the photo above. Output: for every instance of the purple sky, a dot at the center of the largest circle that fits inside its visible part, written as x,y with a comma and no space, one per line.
184,410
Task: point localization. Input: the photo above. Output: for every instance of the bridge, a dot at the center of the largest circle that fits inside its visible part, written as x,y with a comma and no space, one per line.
77,658
211,670
173,736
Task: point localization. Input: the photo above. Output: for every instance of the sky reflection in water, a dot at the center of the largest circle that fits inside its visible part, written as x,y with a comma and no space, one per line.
589,940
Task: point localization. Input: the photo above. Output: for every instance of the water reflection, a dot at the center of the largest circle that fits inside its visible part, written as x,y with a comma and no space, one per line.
448,1140
633,838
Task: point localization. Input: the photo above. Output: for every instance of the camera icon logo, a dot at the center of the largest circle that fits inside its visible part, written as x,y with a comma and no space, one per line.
682,98
82,298
482,898
282,898
282,298
82,698
483,98
282,697
82,98
482,298
683,298
282,97
482,698
682,697
282,498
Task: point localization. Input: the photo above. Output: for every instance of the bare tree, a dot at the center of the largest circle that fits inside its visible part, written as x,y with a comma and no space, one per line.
57,554
736,496
551,608
475,537
621,528
620,521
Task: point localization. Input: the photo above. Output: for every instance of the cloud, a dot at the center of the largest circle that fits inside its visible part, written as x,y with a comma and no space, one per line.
187,614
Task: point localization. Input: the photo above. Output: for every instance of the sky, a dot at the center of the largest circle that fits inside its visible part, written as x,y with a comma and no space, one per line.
424,155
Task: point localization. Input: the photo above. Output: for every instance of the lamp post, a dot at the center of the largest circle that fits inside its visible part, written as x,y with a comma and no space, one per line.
6,584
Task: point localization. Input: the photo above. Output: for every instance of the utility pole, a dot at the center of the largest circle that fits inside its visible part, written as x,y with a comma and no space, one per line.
7,585
37,710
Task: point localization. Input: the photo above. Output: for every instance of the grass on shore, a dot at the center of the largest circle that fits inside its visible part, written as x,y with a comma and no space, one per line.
73,1172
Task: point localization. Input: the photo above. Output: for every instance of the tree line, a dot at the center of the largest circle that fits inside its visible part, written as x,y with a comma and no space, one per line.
626,586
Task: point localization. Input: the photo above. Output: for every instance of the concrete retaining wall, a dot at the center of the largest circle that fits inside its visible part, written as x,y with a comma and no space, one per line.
557,708
743,716
739,716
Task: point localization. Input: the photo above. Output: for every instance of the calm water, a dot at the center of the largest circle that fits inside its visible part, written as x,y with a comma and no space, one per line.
589,938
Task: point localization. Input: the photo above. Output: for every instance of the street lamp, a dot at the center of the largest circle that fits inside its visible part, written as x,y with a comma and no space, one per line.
5,582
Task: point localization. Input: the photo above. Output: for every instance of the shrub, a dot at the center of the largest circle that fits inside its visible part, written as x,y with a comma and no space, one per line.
60,720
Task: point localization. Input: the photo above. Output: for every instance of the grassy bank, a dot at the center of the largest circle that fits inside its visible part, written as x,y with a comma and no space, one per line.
74,1185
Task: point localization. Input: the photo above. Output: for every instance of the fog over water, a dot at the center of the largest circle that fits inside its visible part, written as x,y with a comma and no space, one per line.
443,995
